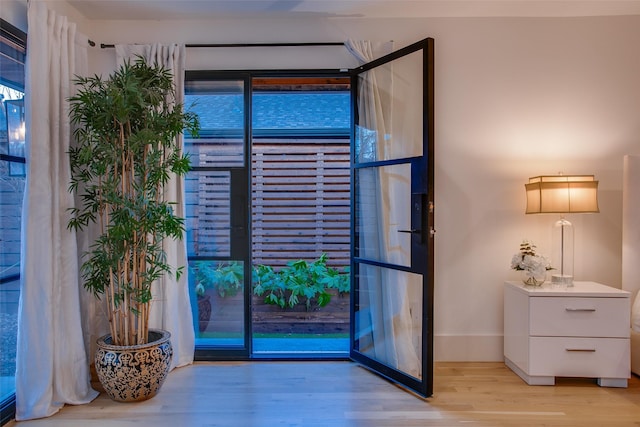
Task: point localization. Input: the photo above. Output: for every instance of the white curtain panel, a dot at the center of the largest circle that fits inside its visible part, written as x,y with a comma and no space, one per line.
51,363
375,104
631,234
171,307
393,329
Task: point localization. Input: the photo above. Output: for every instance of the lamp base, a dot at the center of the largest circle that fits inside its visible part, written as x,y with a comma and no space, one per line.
562,279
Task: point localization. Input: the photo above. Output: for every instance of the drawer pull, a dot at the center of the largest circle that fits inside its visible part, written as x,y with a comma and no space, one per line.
579,309
587,350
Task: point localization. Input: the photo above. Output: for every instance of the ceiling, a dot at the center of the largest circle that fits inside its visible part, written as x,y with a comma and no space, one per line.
208,9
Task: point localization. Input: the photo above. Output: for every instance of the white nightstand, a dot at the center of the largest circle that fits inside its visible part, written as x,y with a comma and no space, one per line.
558,331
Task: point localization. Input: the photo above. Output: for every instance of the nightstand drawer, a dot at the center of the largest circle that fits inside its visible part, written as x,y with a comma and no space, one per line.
579,317
580,357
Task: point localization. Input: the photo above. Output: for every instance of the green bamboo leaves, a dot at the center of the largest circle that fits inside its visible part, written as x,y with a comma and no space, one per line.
125,152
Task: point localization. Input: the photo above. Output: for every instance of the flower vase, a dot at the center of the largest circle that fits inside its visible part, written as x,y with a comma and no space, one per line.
531,278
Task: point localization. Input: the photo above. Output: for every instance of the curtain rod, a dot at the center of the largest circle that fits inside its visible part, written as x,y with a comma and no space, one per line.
108,46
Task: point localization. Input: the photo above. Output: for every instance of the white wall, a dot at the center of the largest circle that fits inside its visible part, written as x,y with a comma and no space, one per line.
515,98
14,12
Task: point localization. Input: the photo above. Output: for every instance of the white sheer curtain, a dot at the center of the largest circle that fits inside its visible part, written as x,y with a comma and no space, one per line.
631,249
394,328
51,362
631,234
171,308
374,105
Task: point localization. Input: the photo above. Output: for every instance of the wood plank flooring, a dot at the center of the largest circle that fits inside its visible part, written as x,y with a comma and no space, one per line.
343,394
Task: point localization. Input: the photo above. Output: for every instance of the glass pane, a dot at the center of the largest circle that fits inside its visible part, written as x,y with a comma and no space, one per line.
11,195
9,296
220,106
215,152
208,219
383,217
15,133
388,318
314,111
390,111
217,292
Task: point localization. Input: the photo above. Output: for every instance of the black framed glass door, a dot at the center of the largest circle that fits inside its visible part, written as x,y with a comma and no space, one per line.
269,195
392,216
218,217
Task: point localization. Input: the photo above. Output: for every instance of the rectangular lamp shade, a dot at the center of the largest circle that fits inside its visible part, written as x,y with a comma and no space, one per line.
562,194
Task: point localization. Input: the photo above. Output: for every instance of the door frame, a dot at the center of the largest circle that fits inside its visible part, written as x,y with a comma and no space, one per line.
213,353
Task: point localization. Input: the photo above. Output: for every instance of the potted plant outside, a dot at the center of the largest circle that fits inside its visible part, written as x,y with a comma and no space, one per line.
125,152
200,275
225,278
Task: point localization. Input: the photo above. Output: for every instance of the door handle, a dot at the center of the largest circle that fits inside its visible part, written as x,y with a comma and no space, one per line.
412,231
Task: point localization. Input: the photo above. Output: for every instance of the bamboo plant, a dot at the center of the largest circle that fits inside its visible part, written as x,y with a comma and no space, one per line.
125,152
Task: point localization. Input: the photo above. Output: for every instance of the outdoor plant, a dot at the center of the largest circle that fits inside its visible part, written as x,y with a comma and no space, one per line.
300,281
225,277
125,153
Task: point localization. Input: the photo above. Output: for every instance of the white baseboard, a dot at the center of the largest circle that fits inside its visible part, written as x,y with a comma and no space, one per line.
468,348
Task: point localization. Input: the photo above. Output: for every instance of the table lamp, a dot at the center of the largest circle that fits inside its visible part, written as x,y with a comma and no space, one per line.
562,194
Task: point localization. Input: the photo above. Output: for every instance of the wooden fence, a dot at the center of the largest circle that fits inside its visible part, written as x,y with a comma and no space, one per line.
300,203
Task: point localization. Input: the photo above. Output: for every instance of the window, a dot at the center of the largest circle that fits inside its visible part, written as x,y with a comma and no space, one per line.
12,180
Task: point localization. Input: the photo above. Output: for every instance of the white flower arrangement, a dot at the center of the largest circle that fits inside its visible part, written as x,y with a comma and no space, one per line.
534,265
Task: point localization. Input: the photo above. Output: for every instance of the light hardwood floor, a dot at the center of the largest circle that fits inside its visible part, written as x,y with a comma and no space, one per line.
343,394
